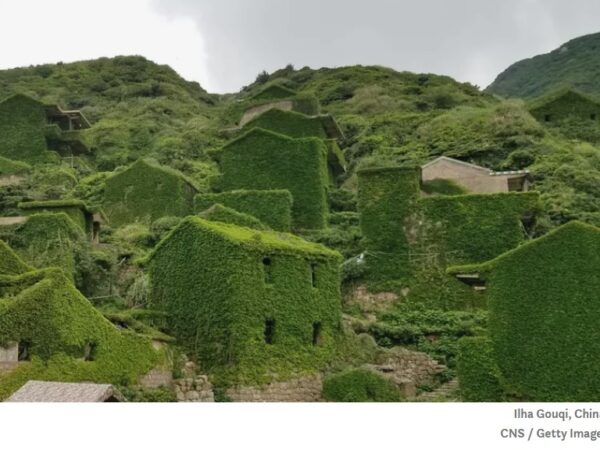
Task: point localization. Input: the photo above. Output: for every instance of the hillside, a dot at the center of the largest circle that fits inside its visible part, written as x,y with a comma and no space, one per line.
575,64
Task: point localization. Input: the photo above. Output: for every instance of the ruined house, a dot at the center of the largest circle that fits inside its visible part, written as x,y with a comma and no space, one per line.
54,392
263,160
544,312
279,308
29,129
89,221
475,179
405,231
51,331
146,191
565,104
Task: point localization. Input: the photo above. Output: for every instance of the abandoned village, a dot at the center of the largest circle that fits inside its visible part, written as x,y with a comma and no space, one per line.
287,263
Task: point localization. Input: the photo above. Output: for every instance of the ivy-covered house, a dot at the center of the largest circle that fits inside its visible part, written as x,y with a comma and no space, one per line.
29,129
565,104
245,301
263,160
544,310
405,231
49,331
271,207
88,220
146,191
298,125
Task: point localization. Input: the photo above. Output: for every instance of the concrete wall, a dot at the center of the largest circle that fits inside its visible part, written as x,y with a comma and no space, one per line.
284,105
477,181
12,220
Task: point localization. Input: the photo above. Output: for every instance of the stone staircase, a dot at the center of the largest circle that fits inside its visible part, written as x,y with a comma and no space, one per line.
447,392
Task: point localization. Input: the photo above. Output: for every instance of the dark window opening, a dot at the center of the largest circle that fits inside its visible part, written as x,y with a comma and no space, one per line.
313,274
267,266
89,352
96,232
547,118
593,116
269,331
24,351
316,333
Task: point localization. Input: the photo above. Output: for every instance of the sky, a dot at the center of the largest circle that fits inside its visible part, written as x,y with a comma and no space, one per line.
224,44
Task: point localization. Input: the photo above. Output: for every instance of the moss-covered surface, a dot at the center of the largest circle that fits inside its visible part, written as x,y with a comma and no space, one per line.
544,314
10,262
46,240
249,304
387,198
261,159
77,210
220,213
478,373
272,207
44,310
412,240
10,167
290,123
145,192
572,113
21,126
359,385
274,91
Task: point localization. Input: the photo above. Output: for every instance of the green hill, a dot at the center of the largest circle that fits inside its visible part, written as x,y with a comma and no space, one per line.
575,64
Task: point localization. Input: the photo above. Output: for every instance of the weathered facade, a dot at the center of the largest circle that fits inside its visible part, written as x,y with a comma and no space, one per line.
29,129
565,104
280,306
145,192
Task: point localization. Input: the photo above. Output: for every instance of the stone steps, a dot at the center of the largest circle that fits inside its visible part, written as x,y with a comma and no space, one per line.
446,392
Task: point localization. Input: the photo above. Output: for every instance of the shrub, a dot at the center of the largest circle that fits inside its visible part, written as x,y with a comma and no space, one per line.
359,385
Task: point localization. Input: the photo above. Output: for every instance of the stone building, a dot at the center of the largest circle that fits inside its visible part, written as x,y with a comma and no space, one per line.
145,192
247,301
474,178
29,129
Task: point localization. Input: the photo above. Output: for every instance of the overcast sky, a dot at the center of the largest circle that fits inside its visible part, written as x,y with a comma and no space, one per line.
223,44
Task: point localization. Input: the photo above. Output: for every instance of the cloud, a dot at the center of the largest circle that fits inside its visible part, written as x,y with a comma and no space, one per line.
471,40
224,44
36,32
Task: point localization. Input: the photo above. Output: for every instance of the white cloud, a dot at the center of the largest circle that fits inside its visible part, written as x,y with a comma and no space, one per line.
37,32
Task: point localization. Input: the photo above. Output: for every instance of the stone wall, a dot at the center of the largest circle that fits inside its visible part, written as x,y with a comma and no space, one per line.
407,369
305,389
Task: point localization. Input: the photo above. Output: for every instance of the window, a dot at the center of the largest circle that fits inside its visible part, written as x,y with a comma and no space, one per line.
316,333
89,352
313,274
547,118
267,268
269,331
24,351
593,116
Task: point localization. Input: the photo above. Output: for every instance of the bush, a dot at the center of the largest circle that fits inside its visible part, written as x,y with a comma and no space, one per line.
359,385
